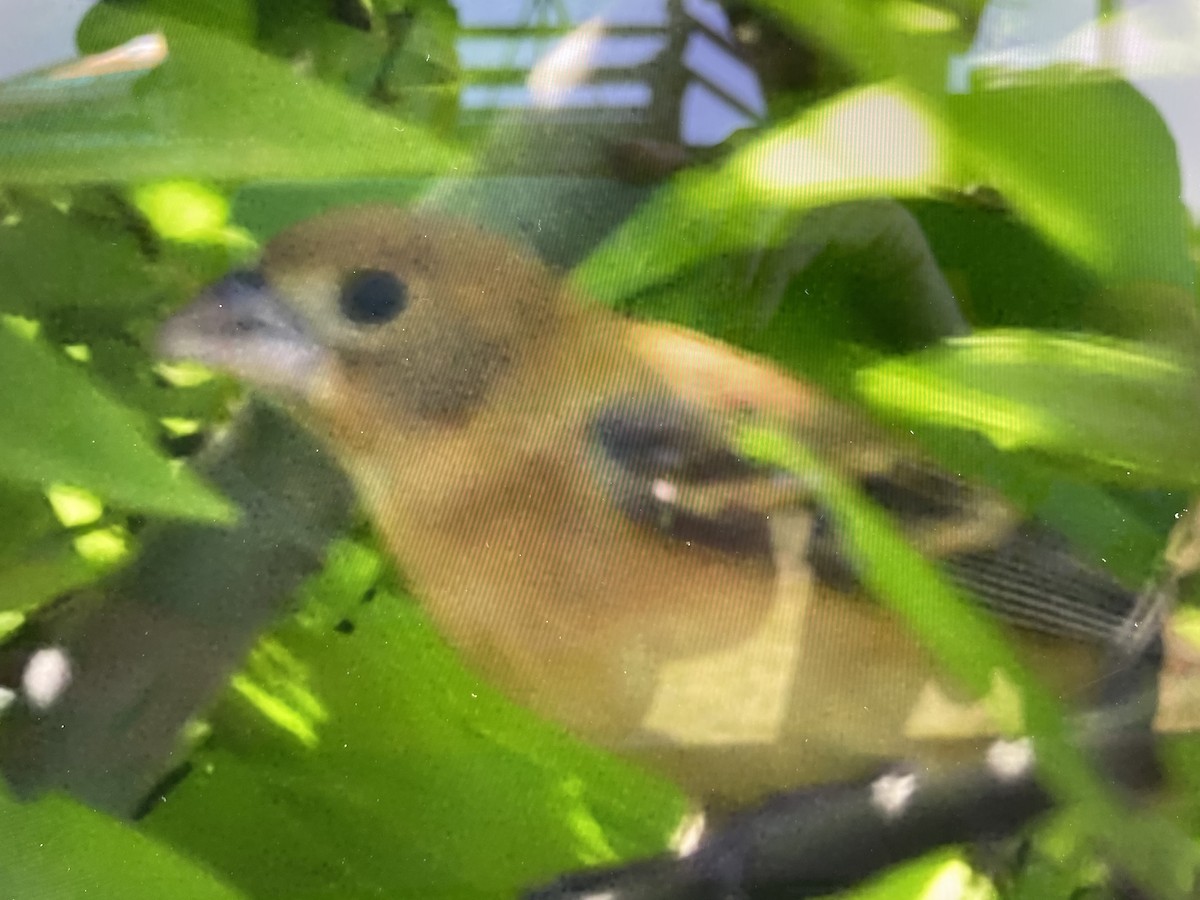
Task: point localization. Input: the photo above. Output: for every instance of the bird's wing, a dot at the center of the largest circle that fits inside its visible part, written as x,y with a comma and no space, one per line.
666,465
672,464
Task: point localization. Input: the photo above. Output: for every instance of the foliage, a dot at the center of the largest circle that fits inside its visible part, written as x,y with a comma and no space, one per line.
370,763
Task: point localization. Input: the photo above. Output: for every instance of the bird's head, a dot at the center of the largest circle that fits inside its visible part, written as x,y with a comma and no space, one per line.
370,314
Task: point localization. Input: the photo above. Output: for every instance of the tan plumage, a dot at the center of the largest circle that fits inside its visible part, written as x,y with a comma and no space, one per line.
560,487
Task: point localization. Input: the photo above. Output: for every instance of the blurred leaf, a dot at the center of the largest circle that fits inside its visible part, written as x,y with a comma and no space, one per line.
865,143
305,33
27,517
1050,150
125,374
399,55
1004,273
43,573
74,507
58,428
215,109
52,259
1119,214
1047,145
92,272
236,19
421,74
971,646
1121,406
416,752
37,561
55,848
266,208
185,211
881,39
753,200
941,874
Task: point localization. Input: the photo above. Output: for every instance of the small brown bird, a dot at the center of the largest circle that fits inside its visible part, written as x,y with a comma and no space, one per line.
562,488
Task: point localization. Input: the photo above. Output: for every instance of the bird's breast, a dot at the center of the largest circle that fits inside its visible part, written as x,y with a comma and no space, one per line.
666,648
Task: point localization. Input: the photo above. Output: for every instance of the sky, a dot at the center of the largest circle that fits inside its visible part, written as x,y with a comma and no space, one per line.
36,33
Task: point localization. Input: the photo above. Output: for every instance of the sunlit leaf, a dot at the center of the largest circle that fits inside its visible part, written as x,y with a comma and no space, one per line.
882,39
1052,150
185,211
866,143
1049,143
74,507
1118,405
938,876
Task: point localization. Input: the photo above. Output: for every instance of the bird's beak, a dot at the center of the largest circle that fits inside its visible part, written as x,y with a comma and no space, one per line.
240,326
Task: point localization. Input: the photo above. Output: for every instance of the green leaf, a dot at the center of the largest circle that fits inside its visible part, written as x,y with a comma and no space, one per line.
883,39
52,259
214,109
1122,407
412,750
333,52
1112,203
268,207
60,429
1086,159
37,561
970,646
55,848
871,142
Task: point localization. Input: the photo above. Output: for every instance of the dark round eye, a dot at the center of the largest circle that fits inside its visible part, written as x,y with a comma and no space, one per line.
372,297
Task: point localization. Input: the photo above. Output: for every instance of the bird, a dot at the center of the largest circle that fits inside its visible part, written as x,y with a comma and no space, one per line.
562,487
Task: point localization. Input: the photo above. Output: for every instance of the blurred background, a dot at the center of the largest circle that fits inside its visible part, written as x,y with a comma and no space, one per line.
840,186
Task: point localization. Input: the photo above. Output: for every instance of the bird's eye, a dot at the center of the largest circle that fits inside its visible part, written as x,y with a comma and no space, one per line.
372,297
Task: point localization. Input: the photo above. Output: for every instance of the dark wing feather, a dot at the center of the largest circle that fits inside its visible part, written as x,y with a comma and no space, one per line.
1036,580
666,465
1020,571
669,466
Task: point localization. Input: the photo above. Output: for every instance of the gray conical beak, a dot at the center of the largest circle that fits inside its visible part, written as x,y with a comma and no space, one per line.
240,326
